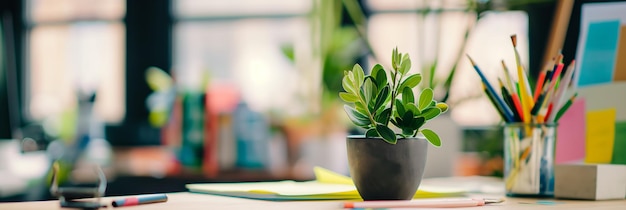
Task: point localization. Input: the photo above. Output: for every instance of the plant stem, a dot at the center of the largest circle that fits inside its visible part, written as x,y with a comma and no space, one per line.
394,89
369,114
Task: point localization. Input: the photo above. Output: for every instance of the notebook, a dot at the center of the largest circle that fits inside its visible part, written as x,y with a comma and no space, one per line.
327,186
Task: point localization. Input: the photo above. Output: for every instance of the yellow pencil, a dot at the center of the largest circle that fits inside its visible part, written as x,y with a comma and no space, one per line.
526,99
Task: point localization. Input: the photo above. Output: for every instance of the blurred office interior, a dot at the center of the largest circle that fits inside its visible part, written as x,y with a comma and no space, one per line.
160,93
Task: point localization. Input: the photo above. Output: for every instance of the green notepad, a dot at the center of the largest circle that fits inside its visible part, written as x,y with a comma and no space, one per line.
327,186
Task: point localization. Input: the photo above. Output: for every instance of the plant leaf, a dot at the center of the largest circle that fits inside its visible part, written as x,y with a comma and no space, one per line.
386,133
379,74
407,117
432,137
418,122
442,106
393,121
407,132
433,67
359,106
348,97
413,123
430,113
381,77
348,84
407,95
399,108
394,58
383,117
426,96
358,74
406,64
369,90
405,120
371,133
398,122
382,97
356,117
411,81
413,108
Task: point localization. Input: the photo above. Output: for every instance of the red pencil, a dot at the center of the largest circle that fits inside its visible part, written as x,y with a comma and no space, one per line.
518,106
549,110
539,85
542,78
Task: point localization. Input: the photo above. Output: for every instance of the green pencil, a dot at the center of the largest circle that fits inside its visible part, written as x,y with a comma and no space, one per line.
493,101
565,107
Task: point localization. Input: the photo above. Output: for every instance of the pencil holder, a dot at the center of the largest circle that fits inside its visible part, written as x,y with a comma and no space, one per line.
529,159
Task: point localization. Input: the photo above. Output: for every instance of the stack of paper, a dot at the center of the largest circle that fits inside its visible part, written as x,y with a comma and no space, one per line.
327,186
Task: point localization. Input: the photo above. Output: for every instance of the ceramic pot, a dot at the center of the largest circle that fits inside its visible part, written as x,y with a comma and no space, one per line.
383,171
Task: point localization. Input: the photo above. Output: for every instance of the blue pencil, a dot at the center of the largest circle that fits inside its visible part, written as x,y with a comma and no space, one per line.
508,114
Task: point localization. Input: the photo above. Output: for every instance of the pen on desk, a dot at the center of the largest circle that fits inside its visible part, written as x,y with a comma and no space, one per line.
132,201
426,203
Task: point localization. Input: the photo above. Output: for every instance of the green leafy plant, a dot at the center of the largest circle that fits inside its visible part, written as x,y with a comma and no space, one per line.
374,101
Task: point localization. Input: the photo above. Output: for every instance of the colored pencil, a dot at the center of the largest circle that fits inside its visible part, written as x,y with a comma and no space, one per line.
549,111
539,85
499,108
562,87
526,99
549,91
565,107
508,114
507,76
541,80
518,106
517,114
541,102
537,105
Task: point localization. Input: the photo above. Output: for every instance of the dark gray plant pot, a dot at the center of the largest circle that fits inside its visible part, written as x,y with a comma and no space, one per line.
382,171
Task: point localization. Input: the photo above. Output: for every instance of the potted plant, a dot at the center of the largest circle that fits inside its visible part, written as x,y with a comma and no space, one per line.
387,163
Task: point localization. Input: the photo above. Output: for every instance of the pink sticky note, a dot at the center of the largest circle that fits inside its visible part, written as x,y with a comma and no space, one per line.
570,140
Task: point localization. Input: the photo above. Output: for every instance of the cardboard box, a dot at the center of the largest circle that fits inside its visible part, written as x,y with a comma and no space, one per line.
590,181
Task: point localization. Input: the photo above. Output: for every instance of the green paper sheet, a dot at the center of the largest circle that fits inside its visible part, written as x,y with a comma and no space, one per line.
619,148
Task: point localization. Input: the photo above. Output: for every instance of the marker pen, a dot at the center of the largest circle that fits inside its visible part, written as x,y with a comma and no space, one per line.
132,201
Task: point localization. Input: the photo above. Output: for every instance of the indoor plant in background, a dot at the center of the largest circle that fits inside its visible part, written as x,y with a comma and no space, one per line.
387,163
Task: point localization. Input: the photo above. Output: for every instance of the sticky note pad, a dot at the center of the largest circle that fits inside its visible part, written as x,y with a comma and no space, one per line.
570,139
606,96
619,147
598,59
600,136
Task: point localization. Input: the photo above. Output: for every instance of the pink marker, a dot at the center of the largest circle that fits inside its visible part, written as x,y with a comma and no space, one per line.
423,203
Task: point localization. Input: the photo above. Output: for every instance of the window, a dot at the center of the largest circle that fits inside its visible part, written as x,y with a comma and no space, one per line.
434,30
75,46
238,42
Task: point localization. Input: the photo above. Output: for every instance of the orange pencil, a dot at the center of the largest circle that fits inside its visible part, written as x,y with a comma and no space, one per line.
542,78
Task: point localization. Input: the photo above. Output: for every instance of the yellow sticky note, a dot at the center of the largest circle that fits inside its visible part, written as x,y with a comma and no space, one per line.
600,136
327,176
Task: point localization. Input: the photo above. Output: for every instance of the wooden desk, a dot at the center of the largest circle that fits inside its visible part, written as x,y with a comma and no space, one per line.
190,201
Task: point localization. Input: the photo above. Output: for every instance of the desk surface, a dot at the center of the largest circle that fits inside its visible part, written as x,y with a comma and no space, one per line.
202,201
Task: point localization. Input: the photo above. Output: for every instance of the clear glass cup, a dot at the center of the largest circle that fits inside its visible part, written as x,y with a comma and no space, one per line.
529,159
